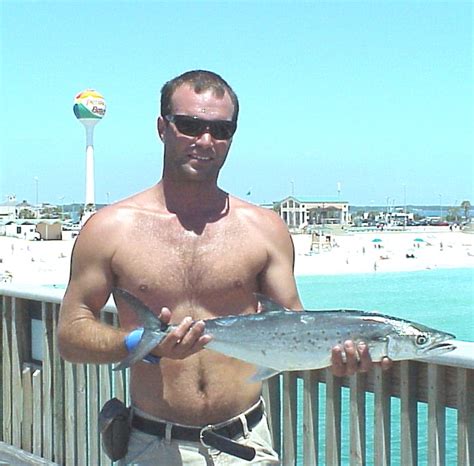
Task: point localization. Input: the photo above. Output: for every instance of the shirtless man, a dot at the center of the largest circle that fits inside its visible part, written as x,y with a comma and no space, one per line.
190,251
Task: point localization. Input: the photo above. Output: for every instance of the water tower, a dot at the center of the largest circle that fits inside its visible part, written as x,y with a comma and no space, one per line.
89,108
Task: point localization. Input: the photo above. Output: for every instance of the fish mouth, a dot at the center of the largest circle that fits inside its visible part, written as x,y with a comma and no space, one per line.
443,347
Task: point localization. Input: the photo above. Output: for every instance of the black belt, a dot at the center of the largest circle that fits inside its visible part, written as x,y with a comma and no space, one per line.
210,436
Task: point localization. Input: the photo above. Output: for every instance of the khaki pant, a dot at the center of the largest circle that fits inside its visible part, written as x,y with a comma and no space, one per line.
149,450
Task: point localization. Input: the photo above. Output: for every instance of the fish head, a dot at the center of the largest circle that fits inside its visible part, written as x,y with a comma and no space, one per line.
409,340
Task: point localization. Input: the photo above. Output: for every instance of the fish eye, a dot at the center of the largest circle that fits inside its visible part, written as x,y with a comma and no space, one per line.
421,340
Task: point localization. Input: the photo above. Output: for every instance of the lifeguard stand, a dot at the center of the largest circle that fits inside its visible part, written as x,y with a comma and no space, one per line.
320,242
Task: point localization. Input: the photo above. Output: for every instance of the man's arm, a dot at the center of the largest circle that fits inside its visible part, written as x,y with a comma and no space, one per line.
82,337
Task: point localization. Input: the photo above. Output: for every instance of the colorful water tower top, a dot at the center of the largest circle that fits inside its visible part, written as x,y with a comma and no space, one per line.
89,105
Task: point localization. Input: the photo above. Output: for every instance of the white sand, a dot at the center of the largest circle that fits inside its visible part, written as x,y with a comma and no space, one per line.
47,262
358,253
34,262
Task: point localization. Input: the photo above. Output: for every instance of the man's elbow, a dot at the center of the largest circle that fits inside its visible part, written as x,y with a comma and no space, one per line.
65,345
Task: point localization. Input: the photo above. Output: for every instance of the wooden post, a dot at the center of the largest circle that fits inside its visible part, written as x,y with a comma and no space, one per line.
465,416
357,420
310,418
7,369
382,413
47,379
290,440
436,416
333,419
409,414
272,396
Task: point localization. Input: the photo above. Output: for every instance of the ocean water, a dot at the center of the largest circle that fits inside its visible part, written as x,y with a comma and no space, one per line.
440,298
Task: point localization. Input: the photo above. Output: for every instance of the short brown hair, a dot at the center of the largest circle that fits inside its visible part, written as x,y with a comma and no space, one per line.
200,81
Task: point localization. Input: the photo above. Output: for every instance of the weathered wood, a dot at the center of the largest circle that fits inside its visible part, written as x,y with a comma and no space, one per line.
289,402
15,457
58,393
436,416
18,339
357,420
6,370
409,415
105,393
37,413
271,395
333,419
465,384
93,407
70,415
47,380
382,413
81,415
310,418
27,424
105,385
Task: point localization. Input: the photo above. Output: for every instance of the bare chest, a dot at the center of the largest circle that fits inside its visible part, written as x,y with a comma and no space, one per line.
178,264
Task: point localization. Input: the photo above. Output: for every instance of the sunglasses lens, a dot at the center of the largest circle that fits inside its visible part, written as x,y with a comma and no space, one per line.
191,126
222,129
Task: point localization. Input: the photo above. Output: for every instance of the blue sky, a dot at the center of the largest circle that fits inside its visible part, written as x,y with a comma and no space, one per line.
376,96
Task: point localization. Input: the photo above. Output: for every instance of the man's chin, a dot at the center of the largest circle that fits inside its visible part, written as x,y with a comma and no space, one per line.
194,173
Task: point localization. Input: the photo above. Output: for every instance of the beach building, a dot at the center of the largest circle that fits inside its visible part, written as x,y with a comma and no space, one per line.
32,229
11,209
8,208
23,229
299,213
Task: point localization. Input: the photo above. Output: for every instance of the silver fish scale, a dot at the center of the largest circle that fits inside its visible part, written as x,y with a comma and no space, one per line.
282,340
293,340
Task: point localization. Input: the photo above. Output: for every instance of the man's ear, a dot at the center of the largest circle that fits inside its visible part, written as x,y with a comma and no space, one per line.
160,126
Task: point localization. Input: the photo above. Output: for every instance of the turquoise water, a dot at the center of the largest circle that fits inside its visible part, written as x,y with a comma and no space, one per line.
441,298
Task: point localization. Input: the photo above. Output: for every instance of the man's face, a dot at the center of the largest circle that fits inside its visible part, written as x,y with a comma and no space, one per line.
195,158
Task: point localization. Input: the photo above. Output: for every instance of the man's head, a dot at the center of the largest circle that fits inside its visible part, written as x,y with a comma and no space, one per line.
200,81
197,122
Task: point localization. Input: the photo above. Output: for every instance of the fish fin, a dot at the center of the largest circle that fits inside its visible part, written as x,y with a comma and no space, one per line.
147,342
263,373
267,304
147,317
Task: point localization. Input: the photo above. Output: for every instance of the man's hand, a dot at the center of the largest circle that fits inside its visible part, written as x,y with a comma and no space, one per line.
357,359
186,339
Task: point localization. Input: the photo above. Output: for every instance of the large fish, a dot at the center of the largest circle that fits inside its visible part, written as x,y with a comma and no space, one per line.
277,339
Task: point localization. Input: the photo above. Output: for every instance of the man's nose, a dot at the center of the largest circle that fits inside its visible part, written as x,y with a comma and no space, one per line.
205,139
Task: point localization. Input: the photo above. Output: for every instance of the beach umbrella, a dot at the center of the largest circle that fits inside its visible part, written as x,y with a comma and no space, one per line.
376,240
419,240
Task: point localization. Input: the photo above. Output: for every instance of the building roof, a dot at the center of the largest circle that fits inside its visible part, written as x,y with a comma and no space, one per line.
30,221
313,200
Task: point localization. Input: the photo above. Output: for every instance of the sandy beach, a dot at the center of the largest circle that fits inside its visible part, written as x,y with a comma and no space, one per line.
48,262
401,251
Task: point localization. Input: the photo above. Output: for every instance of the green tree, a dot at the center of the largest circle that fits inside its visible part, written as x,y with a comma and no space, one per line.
26,214
466,205
453,214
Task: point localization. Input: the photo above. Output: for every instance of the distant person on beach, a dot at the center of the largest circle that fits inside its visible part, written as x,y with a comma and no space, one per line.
190,251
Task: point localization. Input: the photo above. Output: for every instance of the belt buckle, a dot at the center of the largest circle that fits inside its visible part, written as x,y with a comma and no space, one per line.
205,429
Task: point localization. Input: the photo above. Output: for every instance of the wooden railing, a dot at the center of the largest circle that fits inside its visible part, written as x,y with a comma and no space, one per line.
50,407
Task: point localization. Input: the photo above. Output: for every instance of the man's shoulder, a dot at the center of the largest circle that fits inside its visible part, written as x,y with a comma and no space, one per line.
118,214
260,216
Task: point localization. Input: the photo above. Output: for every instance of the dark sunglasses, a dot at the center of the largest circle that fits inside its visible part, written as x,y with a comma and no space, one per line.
194,126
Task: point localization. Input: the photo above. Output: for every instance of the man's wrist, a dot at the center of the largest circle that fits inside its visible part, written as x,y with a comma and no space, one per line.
132,340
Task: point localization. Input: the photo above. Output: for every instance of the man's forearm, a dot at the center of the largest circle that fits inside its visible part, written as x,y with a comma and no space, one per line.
90,341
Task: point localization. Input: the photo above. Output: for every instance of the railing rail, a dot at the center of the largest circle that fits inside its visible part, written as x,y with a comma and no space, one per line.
50,407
